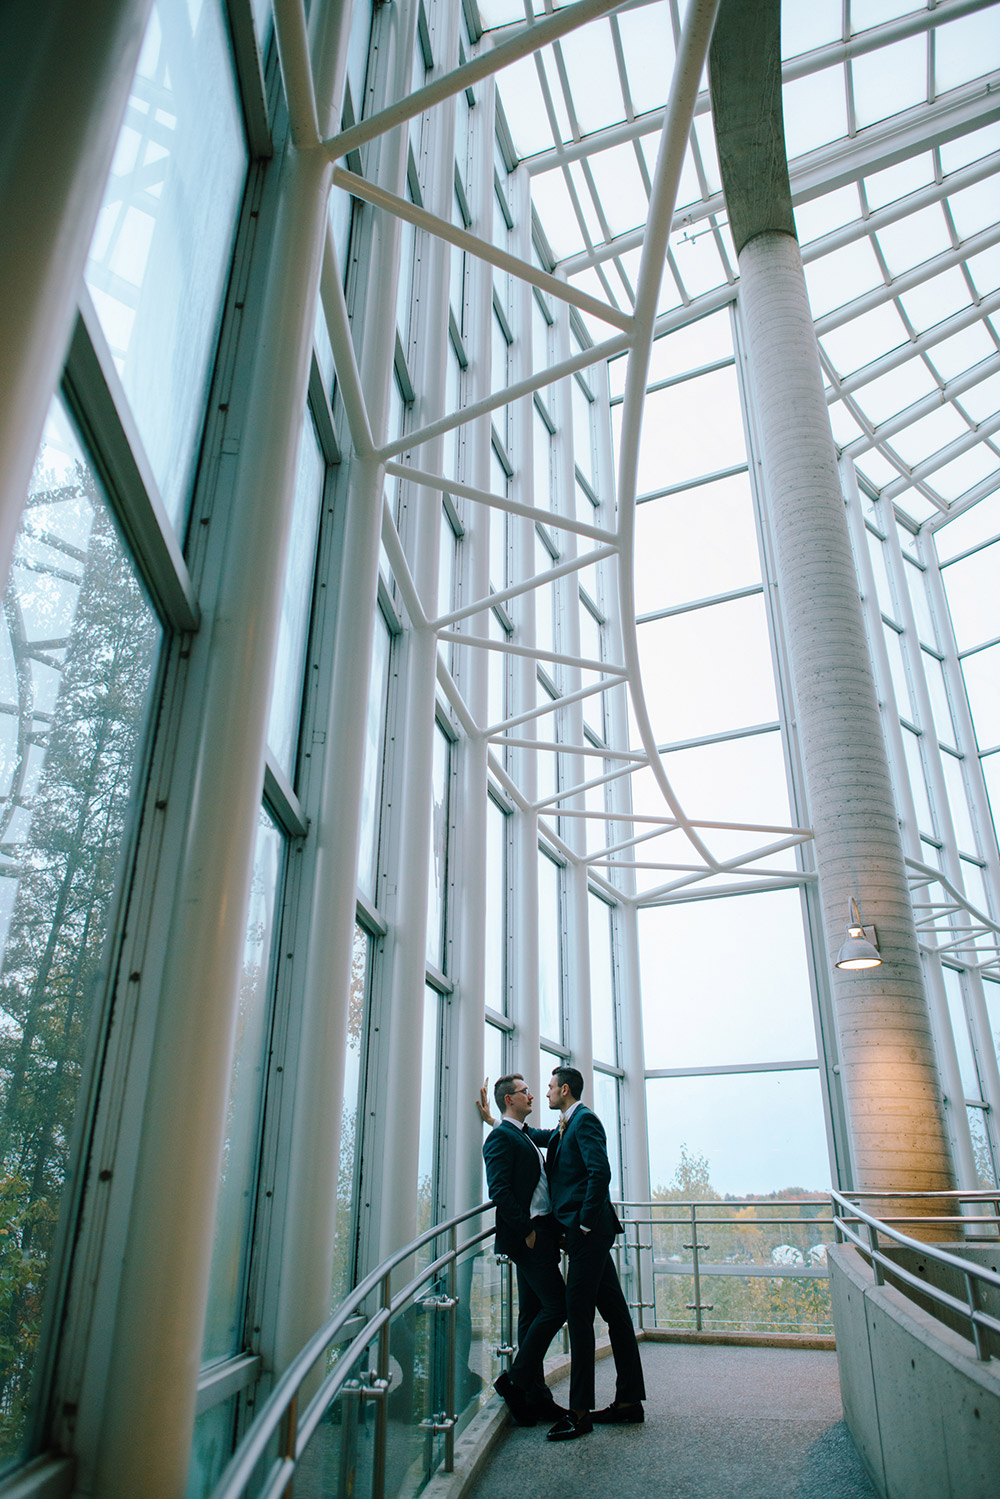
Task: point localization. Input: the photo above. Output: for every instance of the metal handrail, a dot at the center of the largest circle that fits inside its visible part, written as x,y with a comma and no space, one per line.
973,1274
690,1215
281,1405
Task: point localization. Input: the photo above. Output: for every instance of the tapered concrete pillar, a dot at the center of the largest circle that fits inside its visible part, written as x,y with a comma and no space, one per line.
898,1134
888,1067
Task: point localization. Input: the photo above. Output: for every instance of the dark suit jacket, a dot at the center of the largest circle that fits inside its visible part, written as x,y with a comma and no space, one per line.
579,1175
512,1171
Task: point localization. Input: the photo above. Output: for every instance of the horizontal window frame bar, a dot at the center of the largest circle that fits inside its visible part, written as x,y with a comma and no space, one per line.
100,408
219,1381
734,1068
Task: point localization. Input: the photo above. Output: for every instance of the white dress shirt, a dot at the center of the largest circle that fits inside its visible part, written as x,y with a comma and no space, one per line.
541,1203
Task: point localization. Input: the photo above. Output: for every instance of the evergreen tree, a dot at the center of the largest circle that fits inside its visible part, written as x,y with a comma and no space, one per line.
65,835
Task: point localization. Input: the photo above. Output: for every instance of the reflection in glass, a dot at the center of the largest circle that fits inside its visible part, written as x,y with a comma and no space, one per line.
224,1324
160,256
982,1149
429,1109
80,646
289,664
211,1447
343,1240
549,949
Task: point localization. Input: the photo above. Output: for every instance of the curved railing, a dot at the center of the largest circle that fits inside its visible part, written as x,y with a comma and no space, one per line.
984,1328
353,1354
374,1401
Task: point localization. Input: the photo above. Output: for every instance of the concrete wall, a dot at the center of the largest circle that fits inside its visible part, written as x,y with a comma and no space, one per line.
924,1412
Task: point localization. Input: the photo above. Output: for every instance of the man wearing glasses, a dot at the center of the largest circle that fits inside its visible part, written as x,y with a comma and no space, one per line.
526,1233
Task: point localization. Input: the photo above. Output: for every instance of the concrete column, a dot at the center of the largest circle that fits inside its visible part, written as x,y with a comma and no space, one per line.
65,78
892,1088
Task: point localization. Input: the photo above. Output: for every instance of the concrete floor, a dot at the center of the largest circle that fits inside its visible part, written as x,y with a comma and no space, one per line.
721,1423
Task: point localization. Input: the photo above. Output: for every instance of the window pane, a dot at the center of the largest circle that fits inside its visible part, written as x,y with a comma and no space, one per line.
80,646
991,994
224,1324
958,802
982,672
918,785
493,1055
602,980
371,786
547,1063
960,1030
160,256
493,1067
606,1109
755,1132
549,950
934,672
704,1003
693,546
721,676
289,666
496,907
438,875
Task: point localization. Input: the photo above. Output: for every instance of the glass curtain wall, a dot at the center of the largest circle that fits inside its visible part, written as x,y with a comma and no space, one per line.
893,156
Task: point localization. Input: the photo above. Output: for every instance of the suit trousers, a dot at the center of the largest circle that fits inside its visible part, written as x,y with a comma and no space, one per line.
592,1285
541,1300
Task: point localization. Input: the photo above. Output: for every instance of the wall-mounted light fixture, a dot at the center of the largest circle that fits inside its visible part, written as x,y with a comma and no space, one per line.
861,948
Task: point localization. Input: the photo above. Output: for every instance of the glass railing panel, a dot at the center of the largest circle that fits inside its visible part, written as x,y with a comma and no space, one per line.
339,1458
482,1287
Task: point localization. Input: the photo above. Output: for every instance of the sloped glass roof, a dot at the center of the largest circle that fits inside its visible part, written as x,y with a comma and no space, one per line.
893,139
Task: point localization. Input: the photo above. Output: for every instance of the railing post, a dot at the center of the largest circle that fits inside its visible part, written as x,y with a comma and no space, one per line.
506,1346
382,1406
288,1443
876,1267
449,1374
978,1337
696,1306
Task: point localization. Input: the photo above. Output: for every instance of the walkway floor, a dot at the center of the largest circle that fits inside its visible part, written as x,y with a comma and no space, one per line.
721,1423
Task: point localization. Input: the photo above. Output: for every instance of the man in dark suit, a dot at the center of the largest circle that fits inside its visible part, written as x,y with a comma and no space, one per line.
526,1232
579,1176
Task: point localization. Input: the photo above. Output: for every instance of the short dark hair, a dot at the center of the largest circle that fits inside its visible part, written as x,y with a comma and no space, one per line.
503,1086
571,1077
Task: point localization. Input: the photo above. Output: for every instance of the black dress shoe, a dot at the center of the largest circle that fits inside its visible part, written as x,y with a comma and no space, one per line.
570,1426
515,1400
547,1410
620,1415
